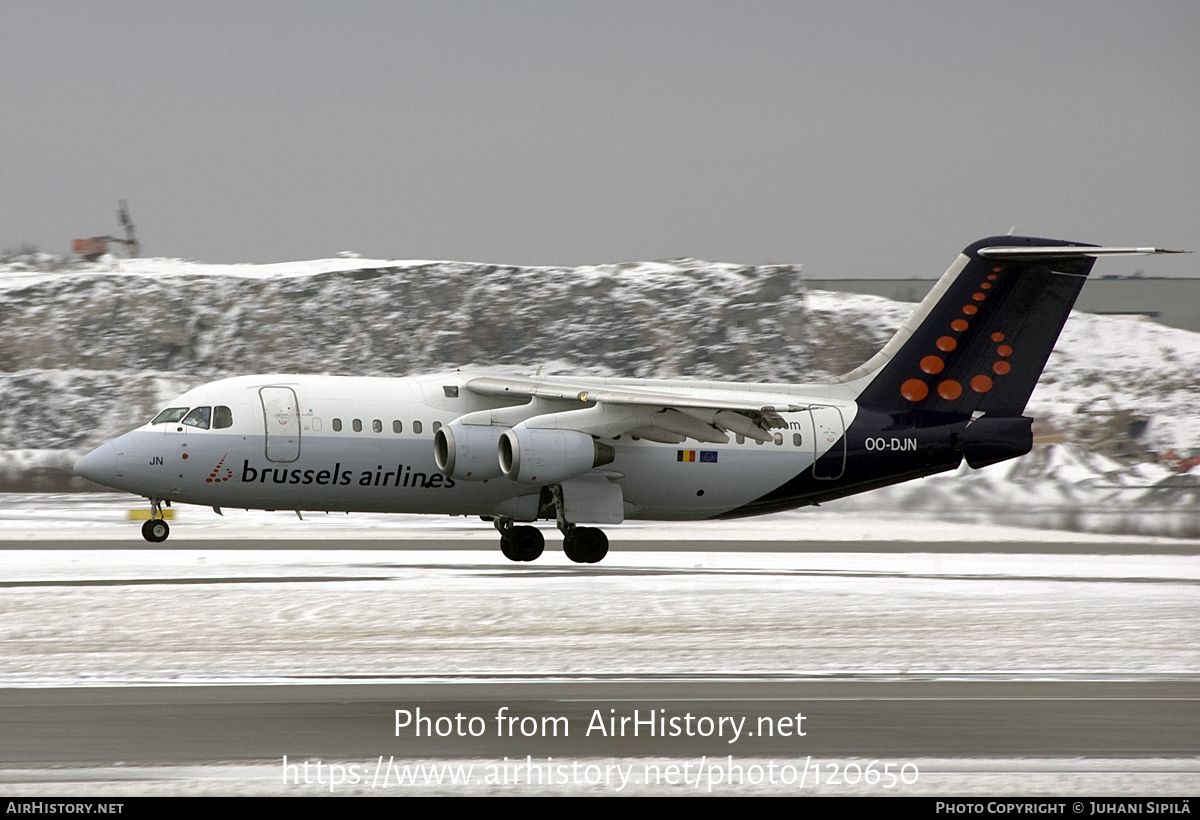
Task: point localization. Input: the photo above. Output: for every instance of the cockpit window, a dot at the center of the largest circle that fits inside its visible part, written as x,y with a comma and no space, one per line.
199,417
222,417
171,414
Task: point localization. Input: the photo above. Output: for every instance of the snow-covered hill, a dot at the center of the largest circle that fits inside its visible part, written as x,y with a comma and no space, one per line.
680,317
90,351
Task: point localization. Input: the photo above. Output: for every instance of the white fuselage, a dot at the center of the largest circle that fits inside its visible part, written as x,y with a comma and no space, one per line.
366,444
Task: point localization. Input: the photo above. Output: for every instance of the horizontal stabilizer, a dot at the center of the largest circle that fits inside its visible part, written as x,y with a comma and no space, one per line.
1068,252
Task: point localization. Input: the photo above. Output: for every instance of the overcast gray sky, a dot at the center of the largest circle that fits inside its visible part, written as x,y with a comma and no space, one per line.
857,138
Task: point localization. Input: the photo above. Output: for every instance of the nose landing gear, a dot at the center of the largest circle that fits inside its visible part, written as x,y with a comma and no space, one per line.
155,530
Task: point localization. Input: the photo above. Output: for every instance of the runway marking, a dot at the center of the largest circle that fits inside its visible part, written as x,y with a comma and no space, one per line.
802,573
492,572
122,582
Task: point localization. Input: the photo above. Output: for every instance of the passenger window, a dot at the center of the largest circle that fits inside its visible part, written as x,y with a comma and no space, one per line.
199,417
740,438
171,414
357,425
397,427
377,426
779,439
417,427
337,425
796,439
437,425
222,417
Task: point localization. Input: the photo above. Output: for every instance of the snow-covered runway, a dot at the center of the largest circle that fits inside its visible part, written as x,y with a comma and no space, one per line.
200,611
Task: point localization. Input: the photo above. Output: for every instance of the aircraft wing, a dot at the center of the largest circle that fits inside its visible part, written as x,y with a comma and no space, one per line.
653,414
494,386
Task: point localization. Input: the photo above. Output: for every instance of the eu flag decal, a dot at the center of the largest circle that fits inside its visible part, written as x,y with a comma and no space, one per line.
704,456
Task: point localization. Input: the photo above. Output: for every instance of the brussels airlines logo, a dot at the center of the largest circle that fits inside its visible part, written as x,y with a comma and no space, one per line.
402,476
220,472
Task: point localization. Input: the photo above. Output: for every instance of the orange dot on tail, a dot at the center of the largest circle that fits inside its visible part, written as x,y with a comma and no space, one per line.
1001,368
914,390
932,364
946,344
985,286
981,384
992,276
1004,350
996,269
970,310
959,324
978,297
997,337
949,390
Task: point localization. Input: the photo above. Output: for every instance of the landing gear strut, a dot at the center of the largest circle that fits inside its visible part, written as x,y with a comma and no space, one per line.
155,530
583,545
522,543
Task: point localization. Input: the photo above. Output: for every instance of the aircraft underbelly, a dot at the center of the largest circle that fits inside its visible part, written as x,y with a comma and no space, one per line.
661,486
695,481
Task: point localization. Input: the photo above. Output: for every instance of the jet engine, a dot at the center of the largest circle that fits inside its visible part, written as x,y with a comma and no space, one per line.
533,456
467,452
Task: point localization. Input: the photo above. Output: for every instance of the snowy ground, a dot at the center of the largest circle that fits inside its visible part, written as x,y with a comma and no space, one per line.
395,607
936,777
104,517
203,613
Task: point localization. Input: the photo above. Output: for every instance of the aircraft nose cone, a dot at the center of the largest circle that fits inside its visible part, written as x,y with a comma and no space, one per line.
100,465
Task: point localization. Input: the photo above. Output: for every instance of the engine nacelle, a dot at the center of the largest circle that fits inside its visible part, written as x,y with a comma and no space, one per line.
467,452
550,456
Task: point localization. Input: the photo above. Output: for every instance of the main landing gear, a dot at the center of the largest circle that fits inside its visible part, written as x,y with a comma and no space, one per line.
155,530
522,543
583,545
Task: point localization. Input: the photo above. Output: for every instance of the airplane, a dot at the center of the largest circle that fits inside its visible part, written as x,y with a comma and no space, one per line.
952,384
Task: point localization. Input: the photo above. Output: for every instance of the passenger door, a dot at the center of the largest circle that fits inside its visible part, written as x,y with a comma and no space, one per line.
281,419
829,437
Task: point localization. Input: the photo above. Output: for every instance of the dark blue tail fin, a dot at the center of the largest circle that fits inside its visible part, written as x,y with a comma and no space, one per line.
978,342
